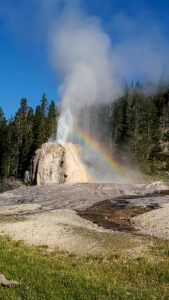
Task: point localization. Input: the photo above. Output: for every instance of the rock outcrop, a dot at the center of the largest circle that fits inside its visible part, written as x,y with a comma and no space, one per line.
5,282
56,163
48,164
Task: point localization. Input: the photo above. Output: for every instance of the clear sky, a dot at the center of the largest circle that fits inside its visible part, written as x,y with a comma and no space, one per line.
25,69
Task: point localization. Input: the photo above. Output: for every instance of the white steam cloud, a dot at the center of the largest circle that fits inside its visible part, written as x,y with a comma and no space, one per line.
93,67
82,51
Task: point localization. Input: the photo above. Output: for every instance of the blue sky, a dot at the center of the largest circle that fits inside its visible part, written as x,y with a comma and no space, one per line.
25,69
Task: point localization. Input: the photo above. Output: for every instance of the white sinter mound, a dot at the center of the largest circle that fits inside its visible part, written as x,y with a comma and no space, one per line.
58,163
154,223
74,168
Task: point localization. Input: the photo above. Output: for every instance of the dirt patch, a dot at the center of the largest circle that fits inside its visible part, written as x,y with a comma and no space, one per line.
64,230
45,216
115,215
154,223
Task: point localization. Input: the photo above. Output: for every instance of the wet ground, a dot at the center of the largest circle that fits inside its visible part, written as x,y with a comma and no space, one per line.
117,214
111,206
46,215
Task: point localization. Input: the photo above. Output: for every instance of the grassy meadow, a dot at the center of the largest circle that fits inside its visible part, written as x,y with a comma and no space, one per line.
45,275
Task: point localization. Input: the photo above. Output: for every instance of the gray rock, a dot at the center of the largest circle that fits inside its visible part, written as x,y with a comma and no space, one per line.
5,282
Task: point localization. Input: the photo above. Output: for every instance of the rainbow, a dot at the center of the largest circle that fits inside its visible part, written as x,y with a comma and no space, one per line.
100,150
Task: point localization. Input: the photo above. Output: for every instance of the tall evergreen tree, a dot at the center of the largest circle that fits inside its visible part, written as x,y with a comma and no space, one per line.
40,128
3,137
52,120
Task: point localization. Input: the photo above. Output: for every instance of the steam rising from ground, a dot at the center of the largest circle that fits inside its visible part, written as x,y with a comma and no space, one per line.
93,69
83,52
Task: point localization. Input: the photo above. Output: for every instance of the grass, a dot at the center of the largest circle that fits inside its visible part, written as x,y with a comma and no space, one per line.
61,276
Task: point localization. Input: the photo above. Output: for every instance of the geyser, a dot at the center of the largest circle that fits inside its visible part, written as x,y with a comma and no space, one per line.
82,52
92,68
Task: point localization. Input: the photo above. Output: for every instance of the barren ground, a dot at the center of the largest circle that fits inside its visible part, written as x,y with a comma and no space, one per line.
62,217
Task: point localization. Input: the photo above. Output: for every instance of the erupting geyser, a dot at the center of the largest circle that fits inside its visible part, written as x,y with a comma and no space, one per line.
81,50
92,67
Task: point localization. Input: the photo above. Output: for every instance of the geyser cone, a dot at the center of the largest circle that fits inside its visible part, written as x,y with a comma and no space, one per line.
55,163
74,168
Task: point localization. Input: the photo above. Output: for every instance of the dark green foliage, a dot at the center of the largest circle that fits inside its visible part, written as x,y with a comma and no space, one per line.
140,127
3,138
23,134
45,122
52,120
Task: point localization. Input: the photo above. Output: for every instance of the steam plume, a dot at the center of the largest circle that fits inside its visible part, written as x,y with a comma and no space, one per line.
82,51
93,68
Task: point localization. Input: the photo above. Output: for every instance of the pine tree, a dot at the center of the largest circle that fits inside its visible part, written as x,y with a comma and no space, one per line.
52,121
40,128
44,105
3,136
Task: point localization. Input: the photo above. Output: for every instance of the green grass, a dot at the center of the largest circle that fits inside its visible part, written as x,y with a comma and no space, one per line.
60,276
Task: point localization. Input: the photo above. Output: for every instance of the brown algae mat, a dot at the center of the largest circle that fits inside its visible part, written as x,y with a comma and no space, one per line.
116,214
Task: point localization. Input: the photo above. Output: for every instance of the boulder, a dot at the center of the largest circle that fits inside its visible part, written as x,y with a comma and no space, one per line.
5,282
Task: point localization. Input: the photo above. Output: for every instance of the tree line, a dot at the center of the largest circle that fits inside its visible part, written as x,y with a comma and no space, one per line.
22,134
138,126
134,127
